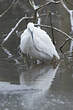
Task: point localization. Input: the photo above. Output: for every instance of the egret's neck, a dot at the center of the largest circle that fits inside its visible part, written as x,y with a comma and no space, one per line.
31,32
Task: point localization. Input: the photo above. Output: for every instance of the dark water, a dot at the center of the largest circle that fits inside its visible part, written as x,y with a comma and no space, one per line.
35,86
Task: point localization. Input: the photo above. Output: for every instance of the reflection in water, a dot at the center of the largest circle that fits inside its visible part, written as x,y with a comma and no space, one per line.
39,76
38,88
34,83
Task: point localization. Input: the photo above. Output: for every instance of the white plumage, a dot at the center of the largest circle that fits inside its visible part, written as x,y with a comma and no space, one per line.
37,43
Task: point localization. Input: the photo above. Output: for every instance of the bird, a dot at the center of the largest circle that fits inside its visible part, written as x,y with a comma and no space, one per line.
36,43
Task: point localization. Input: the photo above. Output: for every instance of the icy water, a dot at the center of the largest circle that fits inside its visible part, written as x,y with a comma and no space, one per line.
26,86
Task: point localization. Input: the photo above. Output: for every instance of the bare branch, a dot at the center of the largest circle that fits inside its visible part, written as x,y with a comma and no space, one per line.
68,36
24,18
10,54
37,8
52,28
1,15
67,9
41,15
51,1
64,44
33,4
70,3
13,29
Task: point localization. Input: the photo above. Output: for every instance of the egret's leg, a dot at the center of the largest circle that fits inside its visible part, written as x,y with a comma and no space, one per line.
54,61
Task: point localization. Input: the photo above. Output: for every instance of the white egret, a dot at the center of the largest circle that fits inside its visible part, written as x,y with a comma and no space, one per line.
36,43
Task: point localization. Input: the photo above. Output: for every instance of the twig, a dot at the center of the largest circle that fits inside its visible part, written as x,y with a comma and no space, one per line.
37,8
52,28
42,6
68,37
33,4
64,44
13,29
41,15
1,15
71,18
67,9
36,14
51,1
45,26
69,3
24,18
10,54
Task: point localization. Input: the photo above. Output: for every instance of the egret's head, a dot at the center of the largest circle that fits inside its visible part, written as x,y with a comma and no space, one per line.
30,26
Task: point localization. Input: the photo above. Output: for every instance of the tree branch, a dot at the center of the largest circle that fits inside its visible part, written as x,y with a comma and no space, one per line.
37,8
24,18
45,26
51,1
63,4
1,15
13,29
10,54
52,28
70,3
64,44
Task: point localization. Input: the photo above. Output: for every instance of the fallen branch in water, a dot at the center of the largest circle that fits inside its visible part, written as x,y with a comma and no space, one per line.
10,54
1,15
13,29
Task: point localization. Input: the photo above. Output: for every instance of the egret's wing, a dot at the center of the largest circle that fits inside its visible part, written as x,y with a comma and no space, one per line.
24,33
24,45
43,42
